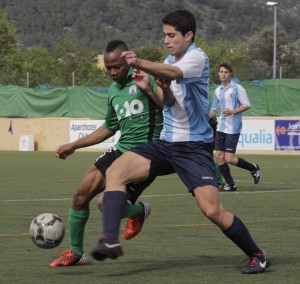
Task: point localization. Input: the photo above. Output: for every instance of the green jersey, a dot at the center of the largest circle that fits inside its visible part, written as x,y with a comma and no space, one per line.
131,111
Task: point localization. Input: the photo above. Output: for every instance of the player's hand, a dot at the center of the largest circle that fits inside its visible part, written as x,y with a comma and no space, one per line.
63,151
130,57
227,112
164,84
141,79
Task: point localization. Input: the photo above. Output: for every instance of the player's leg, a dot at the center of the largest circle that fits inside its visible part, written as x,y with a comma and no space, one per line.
128,168
91,184
213,123
136,221
135,212
231,158
254,169
208,200
200,179
223,146
134,190
220,179
130,209
145,162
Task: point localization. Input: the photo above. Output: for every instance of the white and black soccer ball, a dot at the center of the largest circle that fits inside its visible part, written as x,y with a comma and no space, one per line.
47,230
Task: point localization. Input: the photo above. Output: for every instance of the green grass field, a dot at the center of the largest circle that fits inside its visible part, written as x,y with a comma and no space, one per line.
177,244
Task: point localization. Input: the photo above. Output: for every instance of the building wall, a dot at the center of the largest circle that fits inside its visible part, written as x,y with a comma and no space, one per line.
49,133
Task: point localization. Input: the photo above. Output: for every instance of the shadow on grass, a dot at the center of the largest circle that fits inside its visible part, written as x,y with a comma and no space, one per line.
208,263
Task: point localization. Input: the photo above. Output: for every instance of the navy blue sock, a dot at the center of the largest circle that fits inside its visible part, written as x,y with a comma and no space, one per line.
112,208
245,165
240,235
225,171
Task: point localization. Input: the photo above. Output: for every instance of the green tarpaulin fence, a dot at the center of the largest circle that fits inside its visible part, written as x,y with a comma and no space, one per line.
267,98
53,102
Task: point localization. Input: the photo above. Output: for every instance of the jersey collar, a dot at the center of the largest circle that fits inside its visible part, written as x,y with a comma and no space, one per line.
127,79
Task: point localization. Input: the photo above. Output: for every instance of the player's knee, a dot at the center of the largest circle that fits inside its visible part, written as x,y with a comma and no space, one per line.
213,214
220,158
113,175
80,200
231,159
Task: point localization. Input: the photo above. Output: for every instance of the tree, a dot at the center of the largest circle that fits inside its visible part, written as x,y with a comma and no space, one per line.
260,52
69,58
39,64
150,53
10,59
221,50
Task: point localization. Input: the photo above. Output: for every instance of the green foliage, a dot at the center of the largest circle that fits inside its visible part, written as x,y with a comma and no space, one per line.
39,65
260,54
7,35
57,39
56,66
10,59
93,23
71,59
221,50
150,53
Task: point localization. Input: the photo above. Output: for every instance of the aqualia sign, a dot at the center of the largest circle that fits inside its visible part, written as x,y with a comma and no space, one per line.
257,135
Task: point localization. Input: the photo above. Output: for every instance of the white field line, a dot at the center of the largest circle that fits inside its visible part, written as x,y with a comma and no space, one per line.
155,195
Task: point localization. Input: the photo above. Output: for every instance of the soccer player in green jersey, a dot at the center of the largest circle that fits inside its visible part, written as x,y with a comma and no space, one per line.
133,109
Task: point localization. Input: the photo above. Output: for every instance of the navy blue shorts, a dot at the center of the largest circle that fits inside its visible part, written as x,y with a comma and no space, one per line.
134,190
226,142
192,161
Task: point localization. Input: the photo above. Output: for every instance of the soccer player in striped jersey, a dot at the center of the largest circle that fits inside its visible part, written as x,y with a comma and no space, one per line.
185,144
233,101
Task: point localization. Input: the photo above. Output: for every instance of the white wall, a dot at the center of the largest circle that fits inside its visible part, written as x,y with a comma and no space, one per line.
260,135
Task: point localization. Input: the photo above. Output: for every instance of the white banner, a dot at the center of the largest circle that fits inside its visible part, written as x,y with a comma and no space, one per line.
257,135
81,128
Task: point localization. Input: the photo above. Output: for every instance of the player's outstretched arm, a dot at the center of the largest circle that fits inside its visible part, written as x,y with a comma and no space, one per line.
158,70
98,136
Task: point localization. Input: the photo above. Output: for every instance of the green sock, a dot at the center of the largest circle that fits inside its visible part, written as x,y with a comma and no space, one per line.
219,175
132,210
76,224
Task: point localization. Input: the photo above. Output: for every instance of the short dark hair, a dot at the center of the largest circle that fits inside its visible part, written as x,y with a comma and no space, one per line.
227,65
182,20
114,44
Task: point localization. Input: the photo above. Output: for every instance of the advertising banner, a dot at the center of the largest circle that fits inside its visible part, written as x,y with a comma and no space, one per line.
81,128
287,135
257,135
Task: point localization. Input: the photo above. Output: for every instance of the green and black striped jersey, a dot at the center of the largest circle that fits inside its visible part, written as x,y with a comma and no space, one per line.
131,111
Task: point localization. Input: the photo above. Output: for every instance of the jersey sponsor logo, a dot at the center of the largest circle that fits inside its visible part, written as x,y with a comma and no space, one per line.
132,90
129,108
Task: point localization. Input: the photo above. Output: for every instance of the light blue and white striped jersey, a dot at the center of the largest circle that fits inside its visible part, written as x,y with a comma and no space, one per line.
188,118
231,97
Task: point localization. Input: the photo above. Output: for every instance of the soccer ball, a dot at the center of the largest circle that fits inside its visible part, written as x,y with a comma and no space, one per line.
47,230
